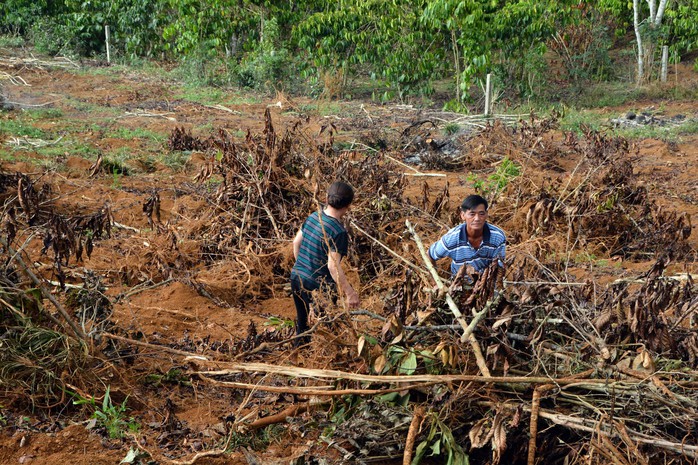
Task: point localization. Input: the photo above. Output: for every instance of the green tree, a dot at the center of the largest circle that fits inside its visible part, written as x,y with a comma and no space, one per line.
136,26
672,23
16,16
488,32
387,38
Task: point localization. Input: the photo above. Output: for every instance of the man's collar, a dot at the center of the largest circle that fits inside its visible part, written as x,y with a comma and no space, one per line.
485,232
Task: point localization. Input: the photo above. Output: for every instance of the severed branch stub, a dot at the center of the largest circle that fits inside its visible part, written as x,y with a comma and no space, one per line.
467,328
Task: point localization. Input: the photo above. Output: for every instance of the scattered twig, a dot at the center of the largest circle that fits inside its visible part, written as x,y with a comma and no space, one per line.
415,171
222,108
145,114
36,143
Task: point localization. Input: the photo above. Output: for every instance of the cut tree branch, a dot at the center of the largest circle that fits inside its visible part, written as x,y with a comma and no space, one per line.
468,330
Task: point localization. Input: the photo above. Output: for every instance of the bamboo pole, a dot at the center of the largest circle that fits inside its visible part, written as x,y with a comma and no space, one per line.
467,329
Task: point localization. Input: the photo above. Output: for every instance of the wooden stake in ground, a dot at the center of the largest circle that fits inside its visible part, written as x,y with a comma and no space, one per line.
488,94
467,329
106,39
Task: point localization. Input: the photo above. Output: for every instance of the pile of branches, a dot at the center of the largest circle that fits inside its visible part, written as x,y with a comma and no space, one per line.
598,208
266,185
572,379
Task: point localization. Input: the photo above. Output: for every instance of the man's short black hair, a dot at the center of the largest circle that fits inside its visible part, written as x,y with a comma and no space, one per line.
471,202
340,195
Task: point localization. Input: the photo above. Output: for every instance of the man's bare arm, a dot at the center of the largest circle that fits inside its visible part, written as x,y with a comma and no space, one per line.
333,263
297,243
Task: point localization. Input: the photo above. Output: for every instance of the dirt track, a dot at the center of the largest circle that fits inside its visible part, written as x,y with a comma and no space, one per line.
192,282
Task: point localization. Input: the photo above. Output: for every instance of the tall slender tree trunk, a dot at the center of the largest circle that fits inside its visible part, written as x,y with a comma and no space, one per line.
456,60
638,37
646,47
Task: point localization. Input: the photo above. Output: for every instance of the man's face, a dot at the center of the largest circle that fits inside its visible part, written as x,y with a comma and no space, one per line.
475,219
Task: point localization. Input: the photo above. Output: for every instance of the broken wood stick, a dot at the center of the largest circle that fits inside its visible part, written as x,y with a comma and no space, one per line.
533,426
391,251
280,417
412,434
467,329
328,391
415,171
320,374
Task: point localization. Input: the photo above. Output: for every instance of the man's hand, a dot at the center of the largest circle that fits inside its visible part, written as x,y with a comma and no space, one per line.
353,300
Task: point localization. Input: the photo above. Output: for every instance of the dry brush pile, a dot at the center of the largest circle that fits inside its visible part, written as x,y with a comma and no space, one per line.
553,371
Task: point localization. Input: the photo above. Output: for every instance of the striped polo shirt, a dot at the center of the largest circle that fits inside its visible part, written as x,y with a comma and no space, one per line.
318,236
455,244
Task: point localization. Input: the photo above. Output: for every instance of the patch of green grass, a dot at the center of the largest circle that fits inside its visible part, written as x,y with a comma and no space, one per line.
649,131
322,108
176,161
687,129
573,120
618,93
7,156
606,94
451,128
137,133
44,113
11,41
18,128
203,95
670,133
69,147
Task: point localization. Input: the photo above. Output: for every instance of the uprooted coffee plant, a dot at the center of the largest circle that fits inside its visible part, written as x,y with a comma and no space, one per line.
524,365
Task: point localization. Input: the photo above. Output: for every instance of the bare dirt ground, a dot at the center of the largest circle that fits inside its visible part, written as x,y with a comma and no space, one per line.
196,278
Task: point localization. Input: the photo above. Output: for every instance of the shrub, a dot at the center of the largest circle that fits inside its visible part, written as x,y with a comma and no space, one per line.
267,66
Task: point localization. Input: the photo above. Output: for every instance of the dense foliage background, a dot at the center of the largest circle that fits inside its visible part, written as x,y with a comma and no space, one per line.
532,47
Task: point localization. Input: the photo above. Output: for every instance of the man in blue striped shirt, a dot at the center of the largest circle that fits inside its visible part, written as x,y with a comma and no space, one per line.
475,242
319,247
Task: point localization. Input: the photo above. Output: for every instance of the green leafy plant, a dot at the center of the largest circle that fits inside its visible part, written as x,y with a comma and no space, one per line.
440,442
279,323
173,376
268,66
11,41
451,128
497,181
109,416
116,178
